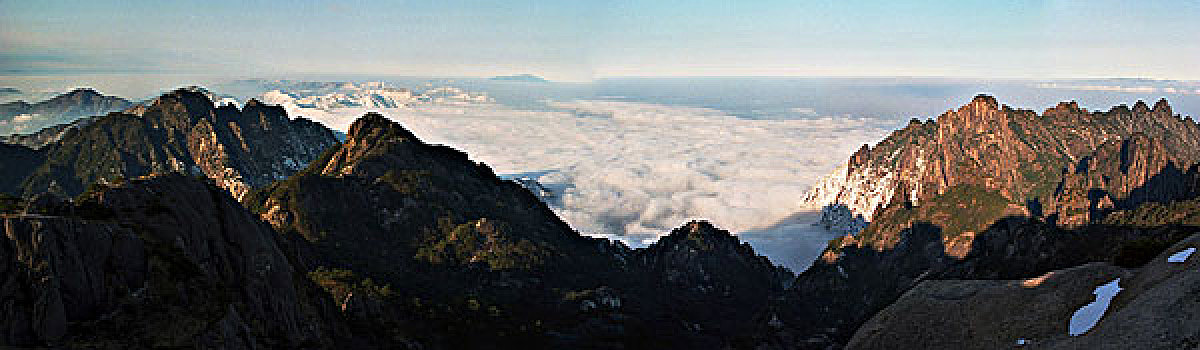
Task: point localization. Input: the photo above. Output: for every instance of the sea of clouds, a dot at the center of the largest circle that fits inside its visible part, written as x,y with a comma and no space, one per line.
633,171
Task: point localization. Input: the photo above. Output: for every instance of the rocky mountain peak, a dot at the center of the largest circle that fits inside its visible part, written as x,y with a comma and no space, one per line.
699,234
701,227
982,113
79,98
1064,108
194,103
1141,108
1163,107
982,102
83,91
1121,109
698,262
700,242
374,128
62,109
1015,153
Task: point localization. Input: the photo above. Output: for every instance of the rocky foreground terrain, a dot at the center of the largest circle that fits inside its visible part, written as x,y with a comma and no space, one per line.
184,224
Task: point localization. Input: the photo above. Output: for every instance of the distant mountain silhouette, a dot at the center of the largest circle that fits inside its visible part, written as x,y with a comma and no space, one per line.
61,109
528,78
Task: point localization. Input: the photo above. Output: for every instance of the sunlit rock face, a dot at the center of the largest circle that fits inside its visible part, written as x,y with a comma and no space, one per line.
181,131
1049,161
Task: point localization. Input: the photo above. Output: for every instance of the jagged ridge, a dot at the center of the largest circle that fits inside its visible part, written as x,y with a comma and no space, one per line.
181,132
1019,154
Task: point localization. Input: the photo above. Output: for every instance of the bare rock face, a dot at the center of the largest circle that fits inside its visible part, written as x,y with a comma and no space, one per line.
168,261
984,314
1019,154
1155,309
182,132
1121,174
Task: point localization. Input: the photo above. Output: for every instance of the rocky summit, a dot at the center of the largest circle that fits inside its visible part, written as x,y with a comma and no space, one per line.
1045,163
181,131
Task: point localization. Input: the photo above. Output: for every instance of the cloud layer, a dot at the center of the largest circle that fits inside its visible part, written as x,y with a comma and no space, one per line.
633,171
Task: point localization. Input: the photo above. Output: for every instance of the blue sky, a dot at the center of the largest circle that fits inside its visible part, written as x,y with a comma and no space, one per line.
583,40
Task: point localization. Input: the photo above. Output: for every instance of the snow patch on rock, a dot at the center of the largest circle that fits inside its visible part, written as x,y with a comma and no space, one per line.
1087,316
1181,256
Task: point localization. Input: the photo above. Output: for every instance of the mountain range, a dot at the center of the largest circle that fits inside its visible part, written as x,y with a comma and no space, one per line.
527,78
182,131
21,116
185,224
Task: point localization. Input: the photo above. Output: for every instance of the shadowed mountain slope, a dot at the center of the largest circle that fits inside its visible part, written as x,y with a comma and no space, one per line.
169,261
444,233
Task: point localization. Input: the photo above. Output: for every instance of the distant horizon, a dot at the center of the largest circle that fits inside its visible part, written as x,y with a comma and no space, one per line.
587,40
948,92
311,75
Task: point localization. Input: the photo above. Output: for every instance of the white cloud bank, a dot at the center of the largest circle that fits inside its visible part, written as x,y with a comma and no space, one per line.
1140,89
633,171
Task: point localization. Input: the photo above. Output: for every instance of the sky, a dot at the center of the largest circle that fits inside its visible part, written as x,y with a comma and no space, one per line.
586,40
